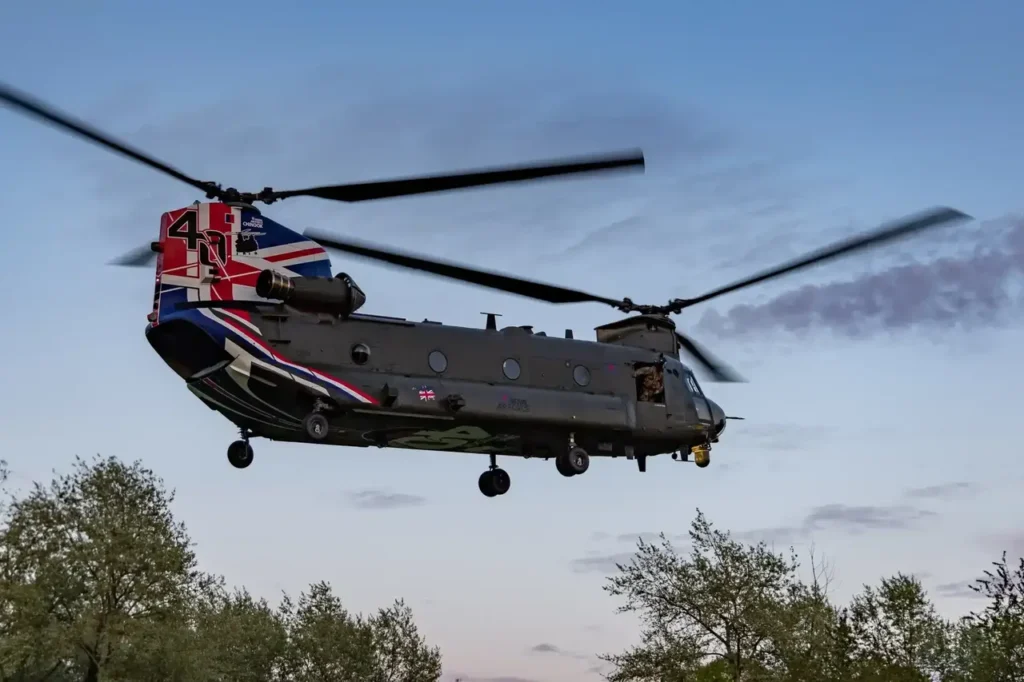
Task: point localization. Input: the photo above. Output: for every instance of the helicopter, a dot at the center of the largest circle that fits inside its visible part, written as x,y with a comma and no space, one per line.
249,314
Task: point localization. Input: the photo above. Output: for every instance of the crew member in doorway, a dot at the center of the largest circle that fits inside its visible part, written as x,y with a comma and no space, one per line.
652,388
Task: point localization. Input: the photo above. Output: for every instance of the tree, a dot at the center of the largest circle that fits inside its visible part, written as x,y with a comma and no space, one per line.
326,642
897,632
722,602
400,653
94,571
240,638
990,643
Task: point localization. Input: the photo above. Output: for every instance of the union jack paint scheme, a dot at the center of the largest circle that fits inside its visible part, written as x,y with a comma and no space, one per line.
198,260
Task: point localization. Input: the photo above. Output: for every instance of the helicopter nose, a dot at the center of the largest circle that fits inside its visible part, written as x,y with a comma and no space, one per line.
717,417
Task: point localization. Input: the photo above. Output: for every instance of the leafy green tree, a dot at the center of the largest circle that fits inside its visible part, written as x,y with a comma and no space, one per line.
94,571
326,642
897,632
239,638
721,602
990,645
400,653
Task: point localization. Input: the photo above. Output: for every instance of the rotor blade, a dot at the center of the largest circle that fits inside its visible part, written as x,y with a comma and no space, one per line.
493,280
718,370
383,189
138,257
29,105
888,233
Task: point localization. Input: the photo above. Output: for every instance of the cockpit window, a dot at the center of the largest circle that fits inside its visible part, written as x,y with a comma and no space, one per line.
691,383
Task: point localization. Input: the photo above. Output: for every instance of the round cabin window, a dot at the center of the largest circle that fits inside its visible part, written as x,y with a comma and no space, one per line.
437,361
581,375
511,369
360,353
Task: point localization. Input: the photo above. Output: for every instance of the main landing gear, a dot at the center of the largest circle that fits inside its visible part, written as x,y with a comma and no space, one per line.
573,462
495,481
240,452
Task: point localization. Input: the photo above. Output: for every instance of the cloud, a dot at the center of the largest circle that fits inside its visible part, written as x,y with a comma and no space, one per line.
381,499
545,648
856,519
965,281
944,491
852,519
958,590
552,650
600,563
649,537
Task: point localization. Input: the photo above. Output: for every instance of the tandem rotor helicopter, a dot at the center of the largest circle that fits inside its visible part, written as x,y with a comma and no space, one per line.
248,313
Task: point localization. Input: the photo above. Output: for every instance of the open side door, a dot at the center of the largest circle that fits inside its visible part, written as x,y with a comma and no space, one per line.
649,382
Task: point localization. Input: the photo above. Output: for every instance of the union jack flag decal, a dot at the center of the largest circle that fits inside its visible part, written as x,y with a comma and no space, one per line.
426,393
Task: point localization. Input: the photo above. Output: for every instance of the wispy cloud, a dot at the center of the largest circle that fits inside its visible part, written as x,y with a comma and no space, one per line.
958,590
852,519
964,281
382,499
600,563
944,491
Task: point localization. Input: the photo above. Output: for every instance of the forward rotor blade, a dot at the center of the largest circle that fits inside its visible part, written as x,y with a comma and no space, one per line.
493,280
892,232
33,107
718,370
383,189
136,258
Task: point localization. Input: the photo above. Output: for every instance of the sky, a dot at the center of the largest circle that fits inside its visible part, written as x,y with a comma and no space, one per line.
882,404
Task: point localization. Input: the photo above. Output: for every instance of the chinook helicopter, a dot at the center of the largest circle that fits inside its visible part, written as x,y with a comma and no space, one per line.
248,313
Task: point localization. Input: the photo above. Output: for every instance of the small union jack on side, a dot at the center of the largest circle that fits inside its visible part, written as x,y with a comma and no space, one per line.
426,393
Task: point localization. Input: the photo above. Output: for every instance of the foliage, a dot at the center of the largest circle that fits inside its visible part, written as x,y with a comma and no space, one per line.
98,581
726,611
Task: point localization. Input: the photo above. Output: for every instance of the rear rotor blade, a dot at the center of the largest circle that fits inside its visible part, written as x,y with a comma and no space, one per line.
136,258
383,189
889,233
718,370
493,280
33,107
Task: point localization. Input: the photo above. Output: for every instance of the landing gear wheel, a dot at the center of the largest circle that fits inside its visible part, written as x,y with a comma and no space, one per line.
495,482
240,454
562,464
702,457
316,425
573,463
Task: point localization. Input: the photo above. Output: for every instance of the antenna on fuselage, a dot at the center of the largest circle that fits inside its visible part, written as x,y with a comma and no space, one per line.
492,321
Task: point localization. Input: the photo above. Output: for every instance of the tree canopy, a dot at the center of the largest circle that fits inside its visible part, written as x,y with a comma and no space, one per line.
98,581
728,611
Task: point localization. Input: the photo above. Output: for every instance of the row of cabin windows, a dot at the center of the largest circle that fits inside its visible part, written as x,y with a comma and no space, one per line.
438,363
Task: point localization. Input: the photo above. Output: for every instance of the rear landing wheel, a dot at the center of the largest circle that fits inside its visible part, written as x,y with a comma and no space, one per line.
240,454
316,425
495,482
573,463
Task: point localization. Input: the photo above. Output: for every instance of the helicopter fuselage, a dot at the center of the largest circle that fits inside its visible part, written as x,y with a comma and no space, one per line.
426,386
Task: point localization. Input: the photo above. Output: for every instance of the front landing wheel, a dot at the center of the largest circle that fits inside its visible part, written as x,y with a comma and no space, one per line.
240,454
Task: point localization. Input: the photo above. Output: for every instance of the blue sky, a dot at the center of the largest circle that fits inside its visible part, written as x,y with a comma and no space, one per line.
887,433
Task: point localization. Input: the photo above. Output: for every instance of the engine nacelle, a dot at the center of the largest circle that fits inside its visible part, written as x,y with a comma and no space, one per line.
338,295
